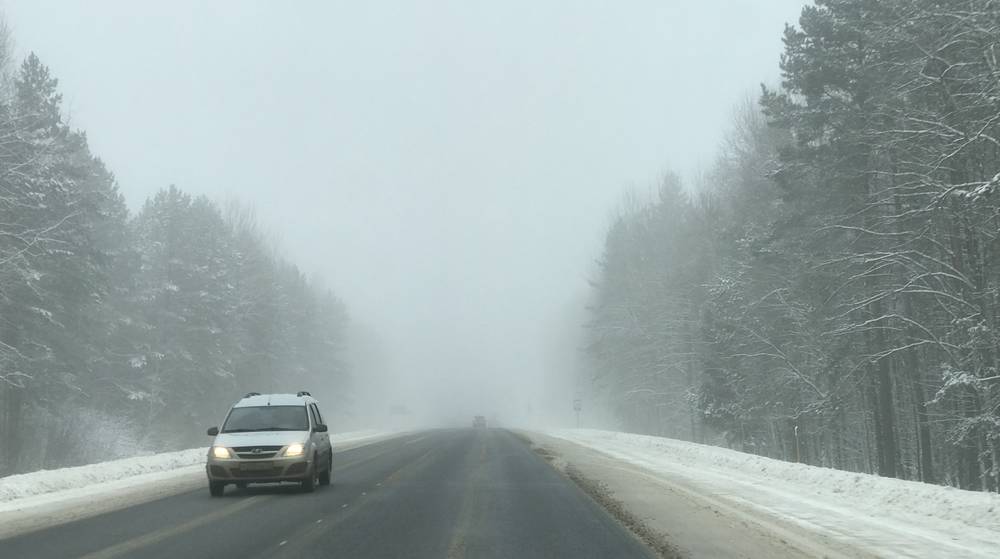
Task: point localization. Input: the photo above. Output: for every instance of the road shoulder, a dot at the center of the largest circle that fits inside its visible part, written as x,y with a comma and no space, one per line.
694,524
44,511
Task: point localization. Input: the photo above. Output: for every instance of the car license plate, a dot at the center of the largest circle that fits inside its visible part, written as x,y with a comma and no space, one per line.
255,466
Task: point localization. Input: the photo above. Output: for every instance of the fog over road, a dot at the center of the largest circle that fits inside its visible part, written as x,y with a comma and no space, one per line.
446,493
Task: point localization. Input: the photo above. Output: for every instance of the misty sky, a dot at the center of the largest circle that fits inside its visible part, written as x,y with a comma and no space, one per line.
449,168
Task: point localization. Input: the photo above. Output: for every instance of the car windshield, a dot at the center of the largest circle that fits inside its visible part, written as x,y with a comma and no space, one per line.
522,278
266,418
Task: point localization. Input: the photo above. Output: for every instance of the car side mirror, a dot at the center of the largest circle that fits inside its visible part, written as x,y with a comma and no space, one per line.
320,428
213,431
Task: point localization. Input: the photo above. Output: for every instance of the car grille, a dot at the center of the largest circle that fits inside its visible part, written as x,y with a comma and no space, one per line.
256,452
273,472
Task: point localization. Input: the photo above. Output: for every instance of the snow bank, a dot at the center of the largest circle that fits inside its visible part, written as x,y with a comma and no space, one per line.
889,515
44,482
49,481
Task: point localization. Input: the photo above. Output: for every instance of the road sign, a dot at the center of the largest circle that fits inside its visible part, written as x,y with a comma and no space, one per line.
577,404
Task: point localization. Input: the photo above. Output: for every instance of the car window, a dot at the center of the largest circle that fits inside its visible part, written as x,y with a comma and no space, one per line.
319,416
266,418
312,412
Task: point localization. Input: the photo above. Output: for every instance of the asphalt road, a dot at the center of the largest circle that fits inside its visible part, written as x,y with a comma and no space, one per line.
436,494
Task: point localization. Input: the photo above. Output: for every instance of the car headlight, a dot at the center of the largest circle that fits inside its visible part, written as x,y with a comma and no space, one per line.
295,449
221,452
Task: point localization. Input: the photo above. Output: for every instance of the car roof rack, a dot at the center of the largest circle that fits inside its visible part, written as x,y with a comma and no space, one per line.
303,393
252,394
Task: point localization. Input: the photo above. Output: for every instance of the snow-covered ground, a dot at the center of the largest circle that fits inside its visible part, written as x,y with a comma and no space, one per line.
48,497
43,482
886,517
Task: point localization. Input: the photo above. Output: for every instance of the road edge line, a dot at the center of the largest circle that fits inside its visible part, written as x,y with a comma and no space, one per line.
598,492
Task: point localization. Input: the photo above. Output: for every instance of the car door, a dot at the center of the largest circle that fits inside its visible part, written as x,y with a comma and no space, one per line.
320,440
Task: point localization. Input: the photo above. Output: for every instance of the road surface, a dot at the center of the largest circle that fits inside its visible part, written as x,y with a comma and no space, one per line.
436,494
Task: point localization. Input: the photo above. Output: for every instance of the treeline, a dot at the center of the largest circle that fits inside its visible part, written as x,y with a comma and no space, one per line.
122,334
830,296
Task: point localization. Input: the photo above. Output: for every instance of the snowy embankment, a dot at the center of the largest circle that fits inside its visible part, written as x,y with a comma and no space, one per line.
140,468
50,481
890,517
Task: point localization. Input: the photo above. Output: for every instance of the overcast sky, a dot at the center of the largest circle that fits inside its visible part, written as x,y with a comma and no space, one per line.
447,167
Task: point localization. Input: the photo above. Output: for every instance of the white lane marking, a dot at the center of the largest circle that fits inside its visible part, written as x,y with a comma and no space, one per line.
318,521
283,542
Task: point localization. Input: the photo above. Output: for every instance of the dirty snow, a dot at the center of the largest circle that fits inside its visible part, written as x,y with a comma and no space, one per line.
889,517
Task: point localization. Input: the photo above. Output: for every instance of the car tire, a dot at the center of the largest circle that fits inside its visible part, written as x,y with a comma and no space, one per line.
216,488
241,484
325,475
309,484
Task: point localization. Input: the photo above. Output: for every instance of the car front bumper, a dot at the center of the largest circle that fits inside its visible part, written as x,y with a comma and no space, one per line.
269,470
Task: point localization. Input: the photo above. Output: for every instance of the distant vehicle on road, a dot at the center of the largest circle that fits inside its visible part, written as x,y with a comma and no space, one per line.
269,438
479,422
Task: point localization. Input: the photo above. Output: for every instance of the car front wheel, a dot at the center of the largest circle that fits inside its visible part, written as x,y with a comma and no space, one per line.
216,488
325,475
309,484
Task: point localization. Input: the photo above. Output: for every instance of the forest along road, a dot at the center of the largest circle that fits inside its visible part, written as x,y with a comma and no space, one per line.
437,494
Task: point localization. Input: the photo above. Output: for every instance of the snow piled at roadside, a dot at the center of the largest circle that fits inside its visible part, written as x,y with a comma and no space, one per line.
49,481
884,513
44,482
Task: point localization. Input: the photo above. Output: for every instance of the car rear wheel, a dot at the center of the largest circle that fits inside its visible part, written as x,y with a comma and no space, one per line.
216,488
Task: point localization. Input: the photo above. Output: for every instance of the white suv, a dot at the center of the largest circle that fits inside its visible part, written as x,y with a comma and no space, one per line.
269,438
